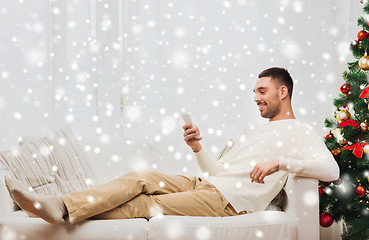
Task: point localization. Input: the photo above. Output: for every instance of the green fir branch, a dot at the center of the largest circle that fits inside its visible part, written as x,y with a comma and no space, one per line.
366,8
362,22
351,133
330,123
353,66
364,45
355,77
339,102
356,50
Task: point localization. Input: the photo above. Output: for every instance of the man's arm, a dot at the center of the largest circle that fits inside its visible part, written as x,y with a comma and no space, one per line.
317,162
206,163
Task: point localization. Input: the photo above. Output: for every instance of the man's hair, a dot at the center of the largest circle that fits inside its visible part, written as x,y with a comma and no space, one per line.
281,75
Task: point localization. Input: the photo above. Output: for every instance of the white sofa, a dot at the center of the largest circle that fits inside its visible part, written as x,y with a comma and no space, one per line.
299,219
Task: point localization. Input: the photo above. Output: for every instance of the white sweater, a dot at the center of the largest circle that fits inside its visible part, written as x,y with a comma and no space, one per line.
298,147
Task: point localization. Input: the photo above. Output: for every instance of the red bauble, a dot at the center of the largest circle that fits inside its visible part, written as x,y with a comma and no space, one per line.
326,219
360,190
321,190
329,136
361,35
345,88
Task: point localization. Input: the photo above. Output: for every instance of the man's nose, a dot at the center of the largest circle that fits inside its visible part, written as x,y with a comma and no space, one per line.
256,98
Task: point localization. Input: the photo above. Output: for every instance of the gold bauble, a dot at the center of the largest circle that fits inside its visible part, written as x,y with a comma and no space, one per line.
366,149
364,62
343,114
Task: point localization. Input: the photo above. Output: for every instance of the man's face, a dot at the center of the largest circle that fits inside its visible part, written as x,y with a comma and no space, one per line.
267,97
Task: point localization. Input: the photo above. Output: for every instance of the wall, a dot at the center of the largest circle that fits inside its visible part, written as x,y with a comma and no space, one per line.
79,62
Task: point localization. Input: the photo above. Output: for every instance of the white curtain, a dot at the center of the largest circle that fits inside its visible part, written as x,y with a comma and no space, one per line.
130,68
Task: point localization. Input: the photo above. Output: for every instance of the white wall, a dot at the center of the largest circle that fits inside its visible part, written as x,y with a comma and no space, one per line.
63,62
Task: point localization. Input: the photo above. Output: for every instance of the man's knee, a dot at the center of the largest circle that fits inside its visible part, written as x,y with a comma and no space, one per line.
140,174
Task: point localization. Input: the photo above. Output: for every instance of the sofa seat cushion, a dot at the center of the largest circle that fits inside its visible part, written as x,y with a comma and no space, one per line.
19,226
259,225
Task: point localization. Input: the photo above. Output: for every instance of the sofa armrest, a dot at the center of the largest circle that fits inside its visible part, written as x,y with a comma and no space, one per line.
303,205
6,203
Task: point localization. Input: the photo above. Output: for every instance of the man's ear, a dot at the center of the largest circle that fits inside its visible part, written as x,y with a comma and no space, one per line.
283,90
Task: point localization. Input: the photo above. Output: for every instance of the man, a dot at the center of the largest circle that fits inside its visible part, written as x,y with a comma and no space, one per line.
246,180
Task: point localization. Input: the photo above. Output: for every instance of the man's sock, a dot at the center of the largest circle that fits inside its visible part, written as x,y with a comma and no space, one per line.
49,208
11,182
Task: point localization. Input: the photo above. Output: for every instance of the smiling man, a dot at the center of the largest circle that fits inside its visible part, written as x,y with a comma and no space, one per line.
273,94
247,179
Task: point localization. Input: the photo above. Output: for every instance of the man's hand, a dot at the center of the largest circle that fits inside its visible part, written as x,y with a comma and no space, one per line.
261,170
189,137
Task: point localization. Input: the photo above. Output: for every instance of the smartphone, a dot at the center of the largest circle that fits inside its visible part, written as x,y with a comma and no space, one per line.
187,119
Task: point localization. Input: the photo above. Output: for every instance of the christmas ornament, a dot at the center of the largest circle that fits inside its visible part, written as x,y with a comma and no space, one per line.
329,136
345,88
364,125
360,191
338,135
336,151
349,122
326,219
361,35
364,62
364,93
321,190
343,114
357,148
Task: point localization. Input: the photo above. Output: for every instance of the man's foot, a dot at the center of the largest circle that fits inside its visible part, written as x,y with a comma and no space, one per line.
49,208
11,182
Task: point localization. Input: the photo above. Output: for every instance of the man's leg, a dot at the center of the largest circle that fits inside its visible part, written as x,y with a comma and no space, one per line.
204,200
84,204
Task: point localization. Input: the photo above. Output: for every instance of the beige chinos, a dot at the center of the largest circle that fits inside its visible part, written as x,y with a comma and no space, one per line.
143,194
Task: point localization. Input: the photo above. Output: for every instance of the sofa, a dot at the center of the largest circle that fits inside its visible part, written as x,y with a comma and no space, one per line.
111,157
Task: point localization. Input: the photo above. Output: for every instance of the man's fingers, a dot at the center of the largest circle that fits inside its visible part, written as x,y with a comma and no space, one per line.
190,133
186,126
254,171
190,136
256,177
261,178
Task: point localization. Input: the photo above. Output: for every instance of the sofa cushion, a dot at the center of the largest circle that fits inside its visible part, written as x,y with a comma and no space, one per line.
258,225
19,226
51,165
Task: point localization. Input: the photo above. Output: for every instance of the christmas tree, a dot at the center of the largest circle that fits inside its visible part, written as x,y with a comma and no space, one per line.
347,199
